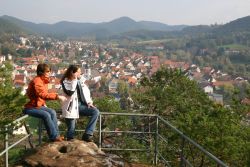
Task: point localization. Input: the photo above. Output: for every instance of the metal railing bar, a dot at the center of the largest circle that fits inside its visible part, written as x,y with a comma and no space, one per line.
100,131
6,145
194,143
77,130
187,162
161,156
28,132
14,144
156,141
17,120
21,118
182,151
171,126
162,138
127,149
128,114
136,132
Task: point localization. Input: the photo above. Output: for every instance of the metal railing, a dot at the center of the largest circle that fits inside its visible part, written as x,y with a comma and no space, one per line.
184,161
153,119
119,131
7,147
158,137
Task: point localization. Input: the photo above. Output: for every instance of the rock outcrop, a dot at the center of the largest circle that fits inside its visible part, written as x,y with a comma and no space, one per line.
73,153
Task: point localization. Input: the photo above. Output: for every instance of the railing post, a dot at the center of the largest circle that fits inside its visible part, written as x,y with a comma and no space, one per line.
156,141
182,152
100,131
40,132
28,132
6,145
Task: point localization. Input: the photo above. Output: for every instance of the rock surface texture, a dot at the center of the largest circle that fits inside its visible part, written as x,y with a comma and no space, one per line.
73,153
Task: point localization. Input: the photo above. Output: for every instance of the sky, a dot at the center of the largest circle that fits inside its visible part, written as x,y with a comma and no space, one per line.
171,12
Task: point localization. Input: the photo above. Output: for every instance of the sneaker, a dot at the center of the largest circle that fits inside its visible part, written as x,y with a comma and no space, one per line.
87,137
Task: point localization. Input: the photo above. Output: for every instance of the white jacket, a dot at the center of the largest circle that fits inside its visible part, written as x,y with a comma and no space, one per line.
70,105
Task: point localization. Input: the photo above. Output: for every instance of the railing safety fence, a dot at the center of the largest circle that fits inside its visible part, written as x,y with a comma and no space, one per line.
154,126
162,126
7,146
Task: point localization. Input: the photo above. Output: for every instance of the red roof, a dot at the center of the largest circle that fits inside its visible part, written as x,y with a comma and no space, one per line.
246,101
223,83
19,77
132,80
19,82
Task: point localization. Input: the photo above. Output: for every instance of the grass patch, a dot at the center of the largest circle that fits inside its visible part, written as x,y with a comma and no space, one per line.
155,41
234,46
16,155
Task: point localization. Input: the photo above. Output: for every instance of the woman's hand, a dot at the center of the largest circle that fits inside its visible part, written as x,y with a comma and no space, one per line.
90,105
62,98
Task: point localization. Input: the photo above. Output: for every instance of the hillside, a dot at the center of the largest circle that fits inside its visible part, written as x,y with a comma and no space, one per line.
9,27
123,27
73,29
241,25
236,26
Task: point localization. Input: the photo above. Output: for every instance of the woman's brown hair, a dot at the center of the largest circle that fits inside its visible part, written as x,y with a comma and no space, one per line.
42,68
69,72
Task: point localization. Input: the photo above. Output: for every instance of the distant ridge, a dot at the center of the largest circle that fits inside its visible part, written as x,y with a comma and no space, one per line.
241,25
9,27
120,28
73,29
238,25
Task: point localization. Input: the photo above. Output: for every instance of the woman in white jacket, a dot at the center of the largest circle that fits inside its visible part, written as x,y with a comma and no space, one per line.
78,101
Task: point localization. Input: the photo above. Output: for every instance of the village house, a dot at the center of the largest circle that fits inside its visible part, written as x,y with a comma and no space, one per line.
217,98
2,58
207,87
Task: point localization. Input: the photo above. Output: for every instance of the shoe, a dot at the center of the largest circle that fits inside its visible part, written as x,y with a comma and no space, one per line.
57,139
69,139
87,137
62,137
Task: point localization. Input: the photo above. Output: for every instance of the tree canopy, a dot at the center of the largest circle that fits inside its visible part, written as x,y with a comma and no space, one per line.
221,130
11,99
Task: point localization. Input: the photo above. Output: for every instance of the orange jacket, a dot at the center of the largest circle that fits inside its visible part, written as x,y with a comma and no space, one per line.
38,92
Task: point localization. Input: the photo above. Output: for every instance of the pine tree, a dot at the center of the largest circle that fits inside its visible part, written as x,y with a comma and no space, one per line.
11,99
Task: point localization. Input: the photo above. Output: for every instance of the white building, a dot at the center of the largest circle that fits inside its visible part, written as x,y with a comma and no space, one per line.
20,131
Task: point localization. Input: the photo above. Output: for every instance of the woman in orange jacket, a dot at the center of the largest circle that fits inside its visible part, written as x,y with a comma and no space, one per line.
38,93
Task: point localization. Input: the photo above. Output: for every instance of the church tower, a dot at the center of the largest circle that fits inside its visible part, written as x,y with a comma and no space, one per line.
87,71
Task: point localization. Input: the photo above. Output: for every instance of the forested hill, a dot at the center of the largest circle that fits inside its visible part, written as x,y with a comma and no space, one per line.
9,27
236,26
73,29
241,25
123,27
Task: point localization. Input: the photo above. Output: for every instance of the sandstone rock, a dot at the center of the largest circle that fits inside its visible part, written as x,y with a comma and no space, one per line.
73,153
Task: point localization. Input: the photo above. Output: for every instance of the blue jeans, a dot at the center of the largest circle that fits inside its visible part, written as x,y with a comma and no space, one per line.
83,111
71,124
93,113
48,116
